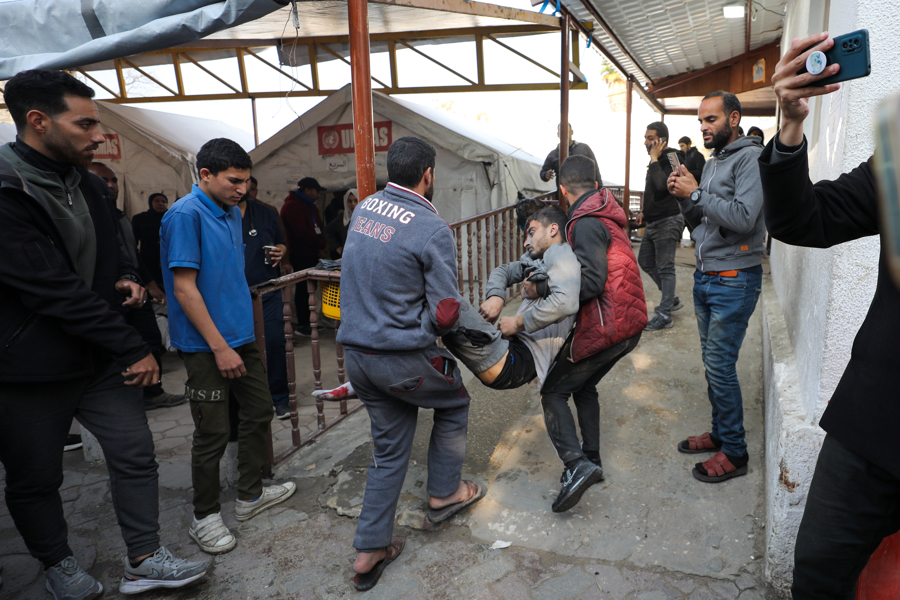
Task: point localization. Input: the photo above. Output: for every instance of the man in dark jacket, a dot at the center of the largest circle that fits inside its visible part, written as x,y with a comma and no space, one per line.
67,351
726,210
663,225
693,159
855,489
304,230
142,318
551,163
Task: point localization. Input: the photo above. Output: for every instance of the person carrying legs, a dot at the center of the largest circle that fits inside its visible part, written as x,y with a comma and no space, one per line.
211,325
390,323
67,352
726,209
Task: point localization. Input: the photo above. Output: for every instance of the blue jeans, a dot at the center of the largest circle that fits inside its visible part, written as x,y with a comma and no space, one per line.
723,306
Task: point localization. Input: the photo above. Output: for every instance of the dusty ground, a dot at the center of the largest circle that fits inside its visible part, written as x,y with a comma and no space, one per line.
648,532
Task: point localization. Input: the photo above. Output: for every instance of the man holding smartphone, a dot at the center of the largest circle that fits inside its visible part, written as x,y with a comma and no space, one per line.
662,223
726,209
855,490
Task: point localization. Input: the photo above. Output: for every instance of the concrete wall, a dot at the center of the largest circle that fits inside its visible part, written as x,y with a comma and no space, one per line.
817,299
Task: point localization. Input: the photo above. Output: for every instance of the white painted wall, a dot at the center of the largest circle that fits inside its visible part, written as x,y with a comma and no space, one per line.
820,296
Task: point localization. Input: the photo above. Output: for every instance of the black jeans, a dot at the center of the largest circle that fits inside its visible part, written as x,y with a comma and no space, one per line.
580,381
657,257
34,422
852,506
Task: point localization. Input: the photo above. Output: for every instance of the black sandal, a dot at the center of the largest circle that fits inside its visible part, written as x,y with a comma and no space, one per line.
366,581
438,515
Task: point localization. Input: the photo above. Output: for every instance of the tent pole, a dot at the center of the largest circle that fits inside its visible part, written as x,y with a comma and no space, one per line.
363,133
564,98
627,195
255,126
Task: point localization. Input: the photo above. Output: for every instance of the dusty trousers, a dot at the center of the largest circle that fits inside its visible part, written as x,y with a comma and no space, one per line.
393,388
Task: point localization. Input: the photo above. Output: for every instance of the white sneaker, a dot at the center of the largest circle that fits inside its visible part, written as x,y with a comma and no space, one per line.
211,534
272,495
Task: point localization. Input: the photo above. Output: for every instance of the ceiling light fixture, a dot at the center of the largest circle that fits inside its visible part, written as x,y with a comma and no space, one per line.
733,12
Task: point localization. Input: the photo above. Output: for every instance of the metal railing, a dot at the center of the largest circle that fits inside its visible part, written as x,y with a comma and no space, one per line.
491,239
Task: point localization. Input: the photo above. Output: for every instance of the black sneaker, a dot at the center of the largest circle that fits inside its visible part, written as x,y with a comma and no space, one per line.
73,442
659,322
597,461
164,400
676,305
578,479
282,412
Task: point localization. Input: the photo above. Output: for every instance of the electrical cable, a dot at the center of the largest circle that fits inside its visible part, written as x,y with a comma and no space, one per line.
760,4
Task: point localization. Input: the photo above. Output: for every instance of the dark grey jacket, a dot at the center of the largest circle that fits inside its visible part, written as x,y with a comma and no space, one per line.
398,274
728,219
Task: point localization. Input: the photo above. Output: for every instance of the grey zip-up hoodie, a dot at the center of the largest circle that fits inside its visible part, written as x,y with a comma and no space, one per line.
398,274
729,228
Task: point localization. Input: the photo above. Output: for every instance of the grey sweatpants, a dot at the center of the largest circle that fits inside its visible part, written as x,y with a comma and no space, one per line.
477,357
393,388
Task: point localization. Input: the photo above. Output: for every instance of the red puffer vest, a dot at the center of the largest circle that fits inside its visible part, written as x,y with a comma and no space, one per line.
620,312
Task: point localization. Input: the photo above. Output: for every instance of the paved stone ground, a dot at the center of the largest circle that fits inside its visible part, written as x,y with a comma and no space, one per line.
649,532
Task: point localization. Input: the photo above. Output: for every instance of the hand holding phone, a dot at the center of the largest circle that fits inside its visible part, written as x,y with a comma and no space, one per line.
850,51
676,164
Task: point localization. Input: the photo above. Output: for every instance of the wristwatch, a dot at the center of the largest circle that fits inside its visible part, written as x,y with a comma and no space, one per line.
695,196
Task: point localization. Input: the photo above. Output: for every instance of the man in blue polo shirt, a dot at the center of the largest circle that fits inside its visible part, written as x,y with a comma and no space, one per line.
211,325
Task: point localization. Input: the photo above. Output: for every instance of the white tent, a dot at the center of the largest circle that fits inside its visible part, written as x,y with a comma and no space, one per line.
7,133
474,171
153,151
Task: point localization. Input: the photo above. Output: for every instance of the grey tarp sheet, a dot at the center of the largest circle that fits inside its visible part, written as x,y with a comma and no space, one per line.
56,34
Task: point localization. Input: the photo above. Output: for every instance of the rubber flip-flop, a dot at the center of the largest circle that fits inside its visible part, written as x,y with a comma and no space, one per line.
439,515
366,581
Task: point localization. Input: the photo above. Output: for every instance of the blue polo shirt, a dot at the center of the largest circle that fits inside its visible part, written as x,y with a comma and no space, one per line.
196,233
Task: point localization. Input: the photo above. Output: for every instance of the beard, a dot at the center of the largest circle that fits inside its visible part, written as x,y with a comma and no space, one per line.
65,151
720,138
429,193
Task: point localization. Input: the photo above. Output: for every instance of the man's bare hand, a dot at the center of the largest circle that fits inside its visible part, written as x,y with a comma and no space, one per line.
792,90
157,296
510,326
137,295
142,373
230,364
682,185
656,149
276,254
529,290
639,219
490,308
551,174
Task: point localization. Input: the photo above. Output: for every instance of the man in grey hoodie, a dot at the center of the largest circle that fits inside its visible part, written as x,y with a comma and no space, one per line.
726,210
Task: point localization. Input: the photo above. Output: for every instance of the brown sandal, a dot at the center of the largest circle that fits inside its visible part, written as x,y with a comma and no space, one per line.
366,581
438,515
697,444
717,469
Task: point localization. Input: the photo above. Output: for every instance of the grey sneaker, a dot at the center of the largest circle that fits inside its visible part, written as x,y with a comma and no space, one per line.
659,322
162,570
68,581
211,534
272,495
677,305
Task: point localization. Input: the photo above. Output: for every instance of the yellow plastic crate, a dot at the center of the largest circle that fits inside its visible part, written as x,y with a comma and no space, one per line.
331,300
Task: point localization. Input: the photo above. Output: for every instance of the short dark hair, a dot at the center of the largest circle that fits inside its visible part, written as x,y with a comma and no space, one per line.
254,181
222,154
548,216
685,140
660,128
407,160
43,90
577,173
730,102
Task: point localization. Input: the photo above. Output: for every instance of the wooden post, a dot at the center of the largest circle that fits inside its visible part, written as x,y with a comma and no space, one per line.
361,78
564,98
627,195
255,125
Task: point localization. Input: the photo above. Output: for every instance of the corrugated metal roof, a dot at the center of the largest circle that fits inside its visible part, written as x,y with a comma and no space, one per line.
671,37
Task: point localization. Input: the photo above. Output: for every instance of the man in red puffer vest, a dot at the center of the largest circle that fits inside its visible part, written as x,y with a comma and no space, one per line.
612,316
